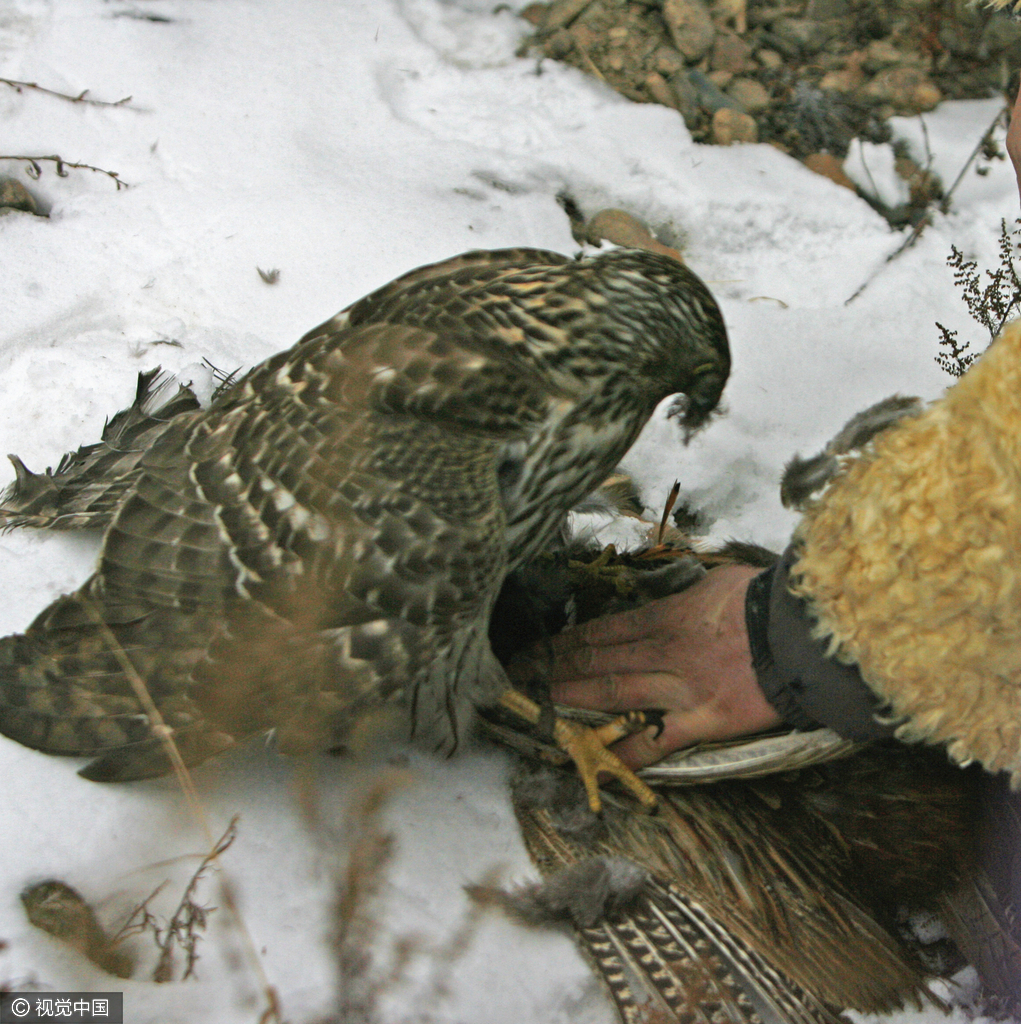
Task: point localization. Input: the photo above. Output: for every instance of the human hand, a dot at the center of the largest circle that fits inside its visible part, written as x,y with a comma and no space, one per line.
686,654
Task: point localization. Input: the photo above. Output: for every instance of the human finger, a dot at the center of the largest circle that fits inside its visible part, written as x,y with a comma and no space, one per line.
631,658
620,628
620,692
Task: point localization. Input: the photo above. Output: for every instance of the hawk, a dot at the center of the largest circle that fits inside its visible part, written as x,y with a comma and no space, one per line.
326,540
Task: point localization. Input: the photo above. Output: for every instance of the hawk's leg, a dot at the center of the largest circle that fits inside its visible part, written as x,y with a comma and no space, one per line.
586,747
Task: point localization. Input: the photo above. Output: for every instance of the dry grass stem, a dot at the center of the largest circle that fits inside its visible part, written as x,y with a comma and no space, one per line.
165,734
80,98
34,171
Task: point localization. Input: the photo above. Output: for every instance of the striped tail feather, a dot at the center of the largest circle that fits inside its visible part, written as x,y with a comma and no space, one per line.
89,483
668,959
69,685
745,913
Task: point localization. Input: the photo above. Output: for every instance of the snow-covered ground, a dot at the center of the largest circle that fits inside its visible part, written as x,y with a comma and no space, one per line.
344,143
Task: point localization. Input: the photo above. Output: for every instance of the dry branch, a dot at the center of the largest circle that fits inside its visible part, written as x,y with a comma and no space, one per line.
80,98
187,921
34,171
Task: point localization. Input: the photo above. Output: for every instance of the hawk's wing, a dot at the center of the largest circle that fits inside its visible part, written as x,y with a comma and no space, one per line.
325,539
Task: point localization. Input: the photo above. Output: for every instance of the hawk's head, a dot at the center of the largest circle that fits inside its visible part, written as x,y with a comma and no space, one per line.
664,331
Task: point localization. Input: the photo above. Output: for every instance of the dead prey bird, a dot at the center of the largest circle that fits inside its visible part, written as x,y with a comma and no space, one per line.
773,884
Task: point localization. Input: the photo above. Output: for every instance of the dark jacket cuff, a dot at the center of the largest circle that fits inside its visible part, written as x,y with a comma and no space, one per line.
807,688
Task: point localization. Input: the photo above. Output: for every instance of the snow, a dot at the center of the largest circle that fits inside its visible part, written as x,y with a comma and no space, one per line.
345,143
871,167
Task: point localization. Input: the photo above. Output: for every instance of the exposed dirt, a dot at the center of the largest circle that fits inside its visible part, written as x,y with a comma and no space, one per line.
807,76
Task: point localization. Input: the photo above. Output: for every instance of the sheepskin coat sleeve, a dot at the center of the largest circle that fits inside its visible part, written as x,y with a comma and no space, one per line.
807,688
910,566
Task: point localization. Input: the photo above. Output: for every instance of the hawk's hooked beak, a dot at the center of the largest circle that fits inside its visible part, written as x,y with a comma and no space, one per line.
693,408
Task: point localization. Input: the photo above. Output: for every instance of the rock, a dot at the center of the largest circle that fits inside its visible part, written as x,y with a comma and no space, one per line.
687,97
14,196
731,11
752,95
730,53
561,13
904,88
621,228
667,61
846,80
730,126
807,35
999,35
830,167
709,97
797,69
583,37
765,14
786,48
881,53
690,27
957,39
659,89
822,10
560,44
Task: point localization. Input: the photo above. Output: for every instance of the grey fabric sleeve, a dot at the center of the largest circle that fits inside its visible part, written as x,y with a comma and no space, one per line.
807,689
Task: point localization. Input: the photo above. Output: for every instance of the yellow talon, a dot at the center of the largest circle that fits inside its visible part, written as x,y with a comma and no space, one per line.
587,747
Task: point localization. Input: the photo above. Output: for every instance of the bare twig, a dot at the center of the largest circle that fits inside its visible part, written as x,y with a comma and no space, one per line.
166,736
928,149
185,923
868,172
190,917
34,170
141,918
80,98
916,233
982,143
944,206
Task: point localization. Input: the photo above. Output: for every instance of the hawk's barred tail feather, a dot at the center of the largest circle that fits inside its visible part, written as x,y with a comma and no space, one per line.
87,485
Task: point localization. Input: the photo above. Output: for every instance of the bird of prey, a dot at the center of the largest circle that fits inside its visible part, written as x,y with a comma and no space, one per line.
325,542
